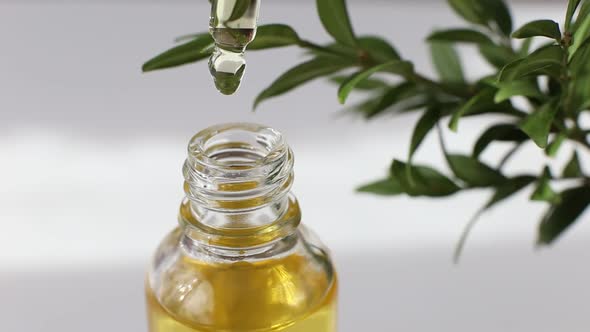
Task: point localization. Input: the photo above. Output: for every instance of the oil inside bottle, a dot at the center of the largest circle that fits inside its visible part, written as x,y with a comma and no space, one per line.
233,26
285,294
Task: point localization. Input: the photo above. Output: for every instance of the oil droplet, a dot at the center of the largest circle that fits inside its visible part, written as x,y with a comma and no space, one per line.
233,26
227,69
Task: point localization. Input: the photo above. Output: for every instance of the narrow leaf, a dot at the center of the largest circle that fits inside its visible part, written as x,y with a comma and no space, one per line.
571,9
517,88
197,49
583,15
544,28
402,68
424,125
470,10
366,85
538,124
447,62
427,121
378,48
240,8
561,216
544,61
302,73
426,181
498,56
460,36
334,17
581,33
479,101
385,187
508,72
390,98
502,132
474,172
573,169
544,192
274,35
554,146
499,12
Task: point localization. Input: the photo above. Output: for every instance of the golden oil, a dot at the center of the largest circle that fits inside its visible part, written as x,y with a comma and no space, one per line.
241,261
267,296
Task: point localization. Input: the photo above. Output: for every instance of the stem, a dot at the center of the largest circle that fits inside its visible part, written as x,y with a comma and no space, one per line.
565,76
418,78
315,47
508,156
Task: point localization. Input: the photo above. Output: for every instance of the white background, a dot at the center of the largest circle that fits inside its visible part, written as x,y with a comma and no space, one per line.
91,153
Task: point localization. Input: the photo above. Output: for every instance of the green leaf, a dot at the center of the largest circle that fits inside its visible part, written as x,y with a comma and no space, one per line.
480,101
300,74
460,36
517,88
508,188
400,67
581,33
503,191
426,181
554,146
334,17
498,56
578,59
508,72
483,12
573,169
366,85
499,12
385,187
447,62
502,132
540,28
537,125
571,9
583,15
274,35
474,172
240,8
378,48
470,10
427,121
544,61
525,47
543,192
391,97
561,216
197,49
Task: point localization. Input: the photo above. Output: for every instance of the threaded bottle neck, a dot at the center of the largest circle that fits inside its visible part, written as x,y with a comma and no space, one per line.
237,183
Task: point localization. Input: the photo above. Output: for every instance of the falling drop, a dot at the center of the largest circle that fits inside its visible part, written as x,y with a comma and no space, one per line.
233,26
227,69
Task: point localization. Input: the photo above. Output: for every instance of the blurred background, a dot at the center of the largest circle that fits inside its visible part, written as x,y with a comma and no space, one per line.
91,152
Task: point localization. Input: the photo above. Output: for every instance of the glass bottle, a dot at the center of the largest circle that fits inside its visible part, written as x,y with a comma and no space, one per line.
240,259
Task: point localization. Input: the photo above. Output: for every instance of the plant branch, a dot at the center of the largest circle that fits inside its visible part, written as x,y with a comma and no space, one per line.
315,47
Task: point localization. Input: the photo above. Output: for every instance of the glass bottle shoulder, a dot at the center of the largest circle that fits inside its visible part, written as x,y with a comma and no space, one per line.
269,289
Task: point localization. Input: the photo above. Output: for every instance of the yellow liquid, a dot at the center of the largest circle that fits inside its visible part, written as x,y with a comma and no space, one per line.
288,294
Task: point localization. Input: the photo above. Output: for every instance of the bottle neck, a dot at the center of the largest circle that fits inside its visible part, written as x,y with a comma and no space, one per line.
237,183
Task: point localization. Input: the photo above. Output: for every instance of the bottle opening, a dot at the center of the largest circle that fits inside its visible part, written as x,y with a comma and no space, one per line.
236,166
237,182
240,145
